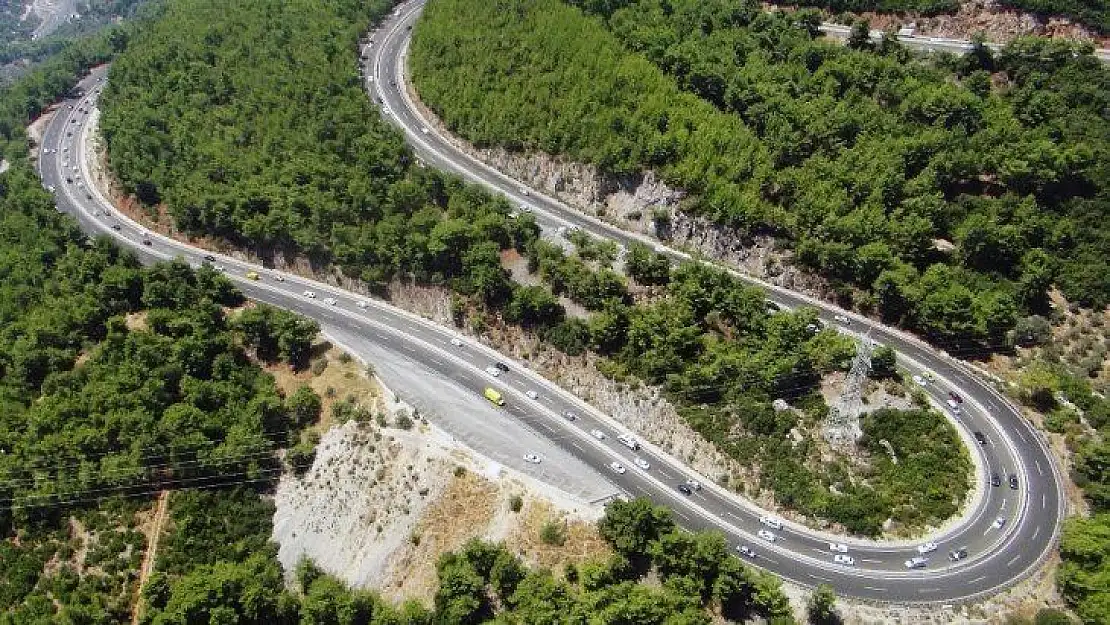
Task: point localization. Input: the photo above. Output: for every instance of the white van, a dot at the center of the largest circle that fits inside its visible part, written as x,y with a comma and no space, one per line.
629,442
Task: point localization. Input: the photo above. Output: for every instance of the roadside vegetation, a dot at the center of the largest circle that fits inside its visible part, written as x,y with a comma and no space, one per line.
1093,13
859,159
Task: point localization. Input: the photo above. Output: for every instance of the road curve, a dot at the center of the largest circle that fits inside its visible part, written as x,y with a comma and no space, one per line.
1033,512
997,557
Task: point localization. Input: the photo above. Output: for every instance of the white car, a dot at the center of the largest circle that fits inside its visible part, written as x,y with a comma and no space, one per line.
628,441
842,320
598,434
766,535
920,381
525,192
772,523
570,416
640,462
310,294
494,371
533,458
330,301
916,562
694,484
843,559
838,547
745,551
362,304
424,129
456,341
532,395
279,278
998,523
927,548
618,467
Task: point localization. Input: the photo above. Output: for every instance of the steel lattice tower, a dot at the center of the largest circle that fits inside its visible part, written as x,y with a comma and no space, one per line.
842,424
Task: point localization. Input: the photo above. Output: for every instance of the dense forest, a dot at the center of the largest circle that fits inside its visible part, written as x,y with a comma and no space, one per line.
274,145
860,159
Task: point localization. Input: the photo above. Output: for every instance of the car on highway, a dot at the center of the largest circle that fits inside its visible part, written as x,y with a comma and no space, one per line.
766,535
996,479
115,227
494,371
916,562
330,301
210,258
956,398
685,489
525,192
1013,482
999,523
279,278
598,434
502,366
456,341
694,484
570,416
617,467
640,462
930,376
842,320
838,547
146,242
310,294
843,559
771,522
532,395
424,129
980,437
362,304
957,554
929,547
920,381
532,458
252,275
745,551
953,406
628,441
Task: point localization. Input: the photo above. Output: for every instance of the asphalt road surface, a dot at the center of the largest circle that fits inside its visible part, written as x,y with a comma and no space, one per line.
996,556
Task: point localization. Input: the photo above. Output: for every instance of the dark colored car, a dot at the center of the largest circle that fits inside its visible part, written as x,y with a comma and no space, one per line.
685,490
956,398
979,436
115,226
996,480
1013,481
146,241
210,258
502,366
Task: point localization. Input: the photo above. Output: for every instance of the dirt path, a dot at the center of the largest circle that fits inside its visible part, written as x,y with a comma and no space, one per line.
149,557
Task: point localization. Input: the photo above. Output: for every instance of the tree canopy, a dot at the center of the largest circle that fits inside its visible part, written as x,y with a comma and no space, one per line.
860,160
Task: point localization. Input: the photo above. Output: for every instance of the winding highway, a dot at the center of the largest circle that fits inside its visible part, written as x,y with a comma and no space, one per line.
996,557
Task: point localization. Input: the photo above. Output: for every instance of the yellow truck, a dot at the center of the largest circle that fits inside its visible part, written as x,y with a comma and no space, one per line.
252,275
494,397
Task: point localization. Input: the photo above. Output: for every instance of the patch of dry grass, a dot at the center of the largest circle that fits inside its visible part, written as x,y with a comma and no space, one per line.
582,544
337,379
